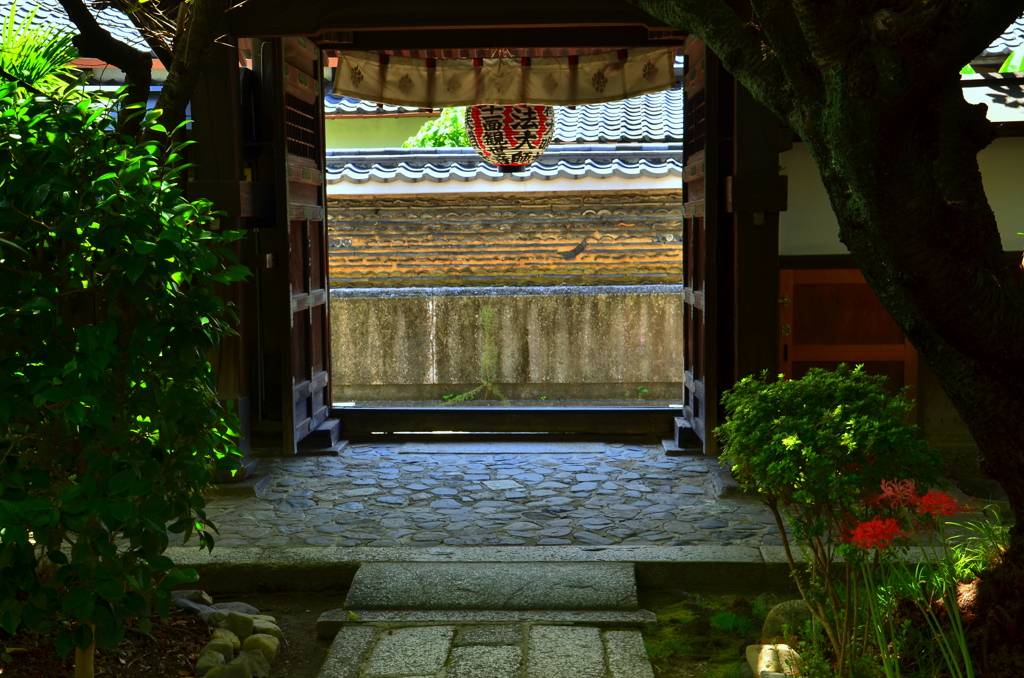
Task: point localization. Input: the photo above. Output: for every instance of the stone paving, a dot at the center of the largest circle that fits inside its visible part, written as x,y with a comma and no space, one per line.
424,495
493,651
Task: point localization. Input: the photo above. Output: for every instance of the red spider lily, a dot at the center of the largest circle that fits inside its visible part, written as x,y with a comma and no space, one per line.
896,493
937,503
877,533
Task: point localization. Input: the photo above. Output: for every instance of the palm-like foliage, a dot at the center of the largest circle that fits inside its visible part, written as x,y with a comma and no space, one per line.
35,54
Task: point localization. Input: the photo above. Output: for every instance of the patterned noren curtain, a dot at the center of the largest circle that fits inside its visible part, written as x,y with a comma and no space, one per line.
548,81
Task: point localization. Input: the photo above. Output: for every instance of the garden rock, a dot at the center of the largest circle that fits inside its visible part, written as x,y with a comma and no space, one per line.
773,661
262,626
263,643
226,634
190,607
240,624
221,645
244,608
791,613
236,669
193,596
208,659
256,663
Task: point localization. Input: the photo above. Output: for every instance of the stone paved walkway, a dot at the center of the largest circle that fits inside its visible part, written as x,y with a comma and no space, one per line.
423,495
494,651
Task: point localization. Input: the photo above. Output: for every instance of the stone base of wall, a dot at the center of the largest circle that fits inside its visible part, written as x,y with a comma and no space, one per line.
621,393
557,343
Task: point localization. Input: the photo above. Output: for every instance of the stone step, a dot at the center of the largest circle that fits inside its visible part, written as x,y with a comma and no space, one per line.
330,622
493,586
494,651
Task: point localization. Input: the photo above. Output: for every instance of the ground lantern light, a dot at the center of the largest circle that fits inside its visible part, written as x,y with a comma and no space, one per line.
510,137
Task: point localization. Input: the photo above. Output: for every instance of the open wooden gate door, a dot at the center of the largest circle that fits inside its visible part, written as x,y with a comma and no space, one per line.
700,237
296,328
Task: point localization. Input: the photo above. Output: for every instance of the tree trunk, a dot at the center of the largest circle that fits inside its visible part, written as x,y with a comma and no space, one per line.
84,666
912,210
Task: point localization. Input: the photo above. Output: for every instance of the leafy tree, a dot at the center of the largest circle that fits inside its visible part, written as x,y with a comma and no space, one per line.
447,130
35,56
872,87
109,423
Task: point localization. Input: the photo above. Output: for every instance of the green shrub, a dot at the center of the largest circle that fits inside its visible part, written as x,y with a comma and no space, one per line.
816,450
818,445
448,130
109,423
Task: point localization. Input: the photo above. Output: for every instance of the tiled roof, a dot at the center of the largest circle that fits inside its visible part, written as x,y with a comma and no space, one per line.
336,105
51,12
647,118
1011,39
415,165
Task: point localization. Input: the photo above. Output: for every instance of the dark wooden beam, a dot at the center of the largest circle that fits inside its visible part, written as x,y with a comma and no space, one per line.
652,421
312,17
611,37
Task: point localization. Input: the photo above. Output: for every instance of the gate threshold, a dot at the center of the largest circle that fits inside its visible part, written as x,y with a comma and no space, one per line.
470,423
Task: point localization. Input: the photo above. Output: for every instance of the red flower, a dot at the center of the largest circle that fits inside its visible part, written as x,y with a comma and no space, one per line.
897,493
940,502
877,533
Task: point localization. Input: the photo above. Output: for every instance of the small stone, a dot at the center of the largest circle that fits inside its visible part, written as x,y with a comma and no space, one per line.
502,484
689,489
444,491
584,487
265,643
189,607
554,532
445,504
221,645
267,628
229,636
591,477
591,538
192,595
244,608
254,662
710,524
208,659
391,499
239,624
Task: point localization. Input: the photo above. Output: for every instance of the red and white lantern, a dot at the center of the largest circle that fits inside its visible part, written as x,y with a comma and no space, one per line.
510,137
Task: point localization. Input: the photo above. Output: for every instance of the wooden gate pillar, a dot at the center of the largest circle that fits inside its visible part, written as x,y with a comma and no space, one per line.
218,176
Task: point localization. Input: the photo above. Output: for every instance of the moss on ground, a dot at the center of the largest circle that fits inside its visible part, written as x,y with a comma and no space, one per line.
697,637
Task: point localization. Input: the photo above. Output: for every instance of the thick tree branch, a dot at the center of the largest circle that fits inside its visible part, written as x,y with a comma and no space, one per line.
147,18
96,42
199,26
736,44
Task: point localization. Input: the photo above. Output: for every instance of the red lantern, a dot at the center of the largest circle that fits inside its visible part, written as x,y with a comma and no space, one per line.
510,137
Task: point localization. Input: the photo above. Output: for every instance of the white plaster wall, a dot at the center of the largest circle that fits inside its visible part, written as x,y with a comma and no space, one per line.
810,227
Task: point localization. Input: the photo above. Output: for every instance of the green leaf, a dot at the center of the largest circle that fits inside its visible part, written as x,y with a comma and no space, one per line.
111,590
121,481
65,643
76,599
159,562
144,624
10,620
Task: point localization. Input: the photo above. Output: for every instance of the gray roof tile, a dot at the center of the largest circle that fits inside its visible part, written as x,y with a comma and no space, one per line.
51,12
650,117
411,165
1011,39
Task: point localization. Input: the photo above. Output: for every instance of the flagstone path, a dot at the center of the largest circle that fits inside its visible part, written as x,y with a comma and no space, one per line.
446,494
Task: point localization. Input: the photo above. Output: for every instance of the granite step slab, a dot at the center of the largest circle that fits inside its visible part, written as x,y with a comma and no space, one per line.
509,651
493,586
332,621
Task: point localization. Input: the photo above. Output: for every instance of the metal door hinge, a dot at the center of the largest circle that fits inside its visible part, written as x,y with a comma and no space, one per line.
784,301
785,329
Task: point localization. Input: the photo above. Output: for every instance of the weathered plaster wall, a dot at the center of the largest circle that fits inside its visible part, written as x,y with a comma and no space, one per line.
810,227
558,345
370,132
